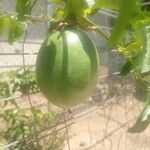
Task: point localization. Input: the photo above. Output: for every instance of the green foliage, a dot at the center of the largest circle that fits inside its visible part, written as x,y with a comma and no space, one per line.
57,1
19,127
144,118
127,37
126,69
18,81
16,118
5,85
77,7
137,56
4,89
24,81
126,9
73,10
24,7
16,28
4,22
136,53
109,4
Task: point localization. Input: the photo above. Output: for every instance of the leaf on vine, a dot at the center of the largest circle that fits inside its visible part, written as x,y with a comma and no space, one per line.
60,13
4,22
146,49
38,115
110,4
77,7
126,69
16,30
56,1
126,9
24,7
143,120
146,77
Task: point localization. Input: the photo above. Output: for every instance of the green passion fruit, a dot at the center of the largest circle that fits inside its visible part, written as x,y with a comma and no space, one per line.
67,67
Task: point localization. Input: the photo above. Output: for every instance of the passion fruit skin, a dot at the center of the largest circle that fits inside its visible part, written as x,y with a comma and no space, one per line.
67,67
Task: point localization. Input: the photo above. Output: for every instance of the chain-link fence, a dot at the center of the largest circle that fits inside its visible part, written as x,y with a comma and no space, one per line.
29,121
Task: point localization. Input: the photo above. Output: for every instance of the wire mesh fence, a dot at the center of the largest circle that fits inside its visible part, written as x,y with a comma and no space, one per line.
99,123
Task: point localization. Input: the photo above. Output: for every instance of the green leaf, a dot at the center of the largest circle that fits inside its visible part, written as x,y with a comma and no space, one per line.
38,115
109,4
4,89
126,69
77,7
16,30
146,77
146,49
15,112
4,22
143,120
56,1
126,9
24,7
60,13
51,117
2,26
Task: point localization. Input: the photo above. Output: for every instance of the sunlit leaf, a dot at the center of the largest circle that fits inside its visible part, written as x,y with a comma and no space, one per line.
38,116
4,22
146,77
24,7
131,50
16,30
60,13
57,1
77,7
126,9
109,4
143,120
